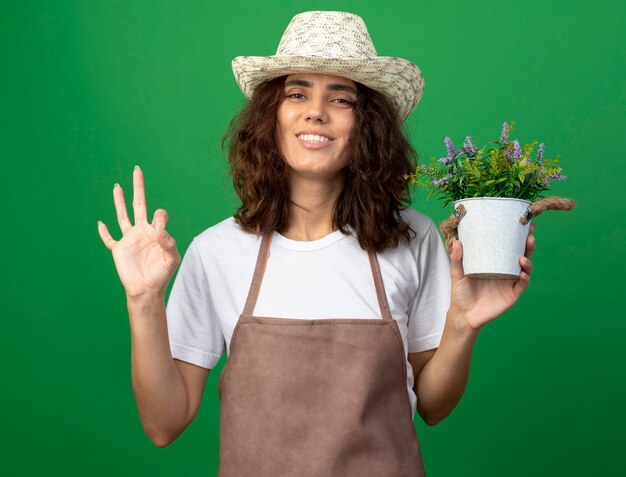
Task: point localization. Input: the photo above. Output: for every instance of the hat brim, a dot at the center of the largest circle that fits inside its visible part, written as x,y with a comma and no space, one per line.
399,79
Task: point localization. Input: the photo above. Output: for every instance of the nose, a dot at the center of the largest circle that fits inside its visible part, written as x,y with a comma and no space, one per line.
316,111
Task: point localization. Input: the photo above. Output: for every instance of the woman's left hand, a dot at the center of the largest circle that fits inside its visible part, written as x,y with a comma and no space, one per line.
476,301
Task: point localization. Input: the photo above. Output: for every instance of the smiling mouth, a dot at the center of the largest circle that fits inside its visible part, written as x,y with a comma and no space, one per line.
314,138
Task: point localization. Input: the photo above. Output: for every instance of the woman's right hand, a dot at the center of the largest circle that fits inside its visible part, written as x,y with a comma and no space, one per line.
146,256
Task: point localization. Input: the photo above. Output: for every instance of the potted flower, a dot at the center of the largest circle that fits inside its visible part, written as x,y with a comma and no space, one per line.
493,189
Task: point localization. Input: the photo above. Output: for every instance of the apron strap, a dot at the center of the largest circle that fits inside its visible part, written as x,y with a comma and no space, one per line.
259,271
380,286
257,278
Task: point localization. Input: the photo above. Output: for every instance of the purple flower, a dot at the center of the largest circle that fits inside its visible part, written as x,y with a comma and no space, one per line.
556,177
517,150
443,180
505,133
515,153
468,147
423,167
540,153
445,160
450,146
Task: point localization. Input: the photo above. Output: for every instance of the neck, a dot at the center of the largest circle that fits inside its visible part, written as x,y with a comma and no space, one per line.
311,207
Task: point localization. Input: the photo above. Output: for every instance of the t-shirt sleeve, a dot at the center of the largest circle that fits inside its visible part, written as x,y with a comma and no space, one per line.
429,306
195,334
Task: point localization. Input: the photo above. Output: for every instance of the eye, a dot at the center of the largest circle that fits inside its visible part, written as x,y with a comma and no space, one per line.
344,101
295,95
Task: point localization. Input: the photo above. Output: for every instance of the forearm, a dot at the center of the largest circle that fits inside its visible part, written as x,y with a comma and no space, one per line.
441,383
158,387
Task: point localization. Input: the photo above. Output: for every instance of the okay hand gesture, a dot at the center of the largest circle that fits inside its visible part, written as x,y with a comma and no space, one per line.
146,255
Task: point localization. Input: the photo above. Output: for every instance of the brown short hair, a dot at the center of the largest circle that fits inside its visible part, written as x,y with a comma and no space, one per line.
375,189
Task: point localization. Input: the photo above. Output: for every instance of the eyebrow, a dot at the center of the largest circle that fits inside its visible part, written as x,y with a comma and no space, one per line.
331,87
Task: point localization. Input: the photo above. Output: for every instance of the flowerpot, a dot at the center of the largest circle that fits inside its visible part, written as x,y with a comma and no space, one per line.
492,236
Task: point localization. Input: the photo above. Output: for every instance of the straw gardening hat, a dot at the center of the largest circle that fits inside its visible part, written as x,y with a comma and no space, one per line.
339,44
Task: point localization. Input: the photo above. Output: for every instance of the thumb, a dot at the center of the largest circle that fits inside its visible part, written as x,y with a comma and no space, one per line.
163,237
168,244
166,241
456,261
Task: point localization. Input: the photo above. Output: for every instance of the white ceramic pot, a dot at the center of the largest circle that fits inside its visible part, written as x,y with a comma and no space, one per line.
492,236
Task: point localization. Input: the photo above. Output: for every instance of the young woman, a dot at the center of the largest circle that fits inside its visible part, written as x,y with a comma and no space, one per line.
336,304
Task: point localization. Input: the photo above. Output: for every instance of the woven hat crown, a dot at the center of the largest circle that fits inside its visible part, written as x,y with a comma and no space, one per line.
327,35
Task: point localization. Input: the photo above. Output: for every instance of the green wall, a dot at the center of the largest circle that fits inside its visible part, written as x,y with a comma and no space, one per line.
91,88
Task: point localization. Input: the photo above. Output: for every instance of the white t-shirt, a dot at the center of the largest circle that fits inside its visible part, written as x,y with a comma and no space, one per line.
326,278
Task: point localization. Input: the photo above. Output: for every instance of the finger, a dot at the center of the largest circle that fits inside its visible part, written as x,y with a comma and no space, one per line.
456,261
139,196
159,220
530,246
522,283
168,244
105,235
531,229
526,264
120,209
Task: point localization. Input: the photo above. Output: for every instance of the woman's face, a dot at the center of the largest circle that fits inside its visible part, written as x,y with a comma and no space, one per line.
314,121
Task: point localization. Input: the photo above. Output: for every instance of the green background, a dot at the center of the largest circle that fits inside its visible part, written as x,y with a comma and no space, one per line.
89,89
